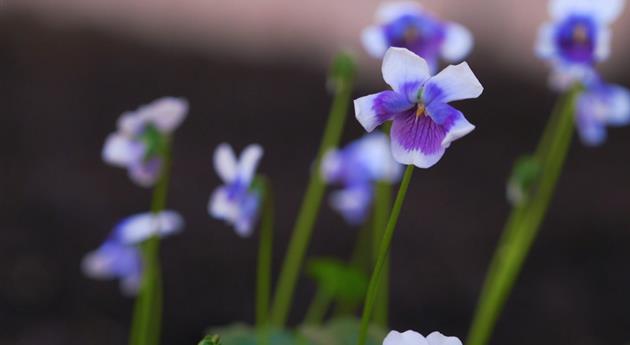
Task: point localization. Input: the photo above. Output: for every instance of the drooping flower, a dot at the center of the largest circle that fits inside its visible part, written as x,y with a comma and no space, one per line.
119,258
577,38
424,125
237,202
415,338
406,24
140,141
601,105
357,167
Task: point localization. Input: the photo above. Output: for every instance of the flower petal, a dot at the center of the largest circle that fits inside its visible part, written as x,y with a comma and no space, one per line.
393,10
248,162
332,166
602,48
563,75
120,150
618,106
141,227
165,113
353,203
590,119
406,338
374,41
452,119
225,162
455,82
458,42
605,11
401,68
145,173
112,260
375,157
221,206
417,140
545,45
437,338
247,215
371,111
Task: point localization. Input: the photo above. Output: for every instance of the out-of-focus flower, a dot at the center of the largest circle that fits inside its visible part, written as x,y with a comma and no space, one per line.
577,38
237,202
415,338
407,25
142,137
424,125
119,258
601,105
357,166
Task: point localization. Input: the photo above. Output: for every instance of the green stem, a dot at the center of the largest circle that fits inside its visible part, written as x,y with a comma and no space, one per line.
382,204
147,314
383,254
524,222
318,308
263,279
313,196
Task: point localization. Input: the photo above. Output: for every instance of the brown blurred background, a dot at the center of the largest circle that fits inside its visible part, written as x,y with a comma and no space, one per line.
255,72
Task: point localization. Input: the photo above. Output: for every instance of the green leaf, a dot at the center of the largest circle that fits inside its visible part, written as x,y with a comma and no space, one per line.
338,279
210,340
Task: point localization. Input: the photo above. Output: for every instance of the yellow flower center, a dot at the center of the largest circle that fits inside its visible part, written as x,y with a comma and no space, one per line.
421,110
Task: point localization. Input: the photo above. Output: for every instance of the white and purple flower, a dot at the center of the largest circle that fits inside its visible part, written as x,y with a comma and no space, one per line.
406,24
601,105
577,38
424,125
236,202
140,141
119,258
357,166
415,338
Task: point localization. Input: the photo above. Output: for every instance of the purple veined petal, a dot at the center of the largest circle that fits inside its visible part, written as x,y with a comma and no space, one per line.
166,114
140,227
453,121
225,163
120,150
437,338
395,9
374,41
145,172
402,68
353,203
458,42
455,82
248,161
602,46
417,140
545,45
604,11
405,338
373,110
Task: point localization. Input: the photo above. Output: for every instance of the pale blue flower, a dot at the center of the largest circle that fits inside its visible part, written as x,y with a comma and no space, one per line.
236,202
599,106
415,338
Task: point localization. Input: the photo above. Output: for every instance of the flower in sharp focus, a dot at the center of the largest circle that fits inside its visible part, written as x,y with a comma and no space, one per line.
237,201
142,137
356,167
119,258
415,338
577,38
407,25
424,125
601,105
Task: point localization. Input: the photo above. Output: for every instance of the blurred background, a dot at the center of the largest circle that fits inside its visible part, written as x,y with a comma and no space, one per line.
255,71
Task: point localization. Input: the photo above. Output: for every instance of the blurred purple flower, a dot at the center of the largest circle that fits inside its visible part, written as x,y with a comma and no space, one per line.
424,125
357,166
577,38
236,202
415,338
406,25
119,258
142,135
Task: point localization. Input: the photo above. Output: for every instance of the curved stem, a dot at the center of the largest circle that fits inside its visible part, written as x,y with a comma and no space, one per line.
383,254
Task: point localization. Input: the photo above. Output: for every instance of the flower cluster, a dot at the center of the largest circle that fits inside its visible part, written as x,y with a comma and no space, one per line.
237,202
415,338
357,166
141,140
119,258
406,24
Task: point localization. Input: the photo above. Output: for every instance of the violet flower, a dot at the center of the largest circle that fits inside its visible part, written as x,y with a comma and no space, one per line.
601,105
415,338
140,141
406,24
424,125
237,202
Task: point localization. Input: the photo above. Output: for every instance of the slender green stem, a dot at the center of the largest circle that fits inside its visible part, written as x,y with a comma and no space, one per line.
313,196
383,254
382,205
318,308
263,280
524,222
147,315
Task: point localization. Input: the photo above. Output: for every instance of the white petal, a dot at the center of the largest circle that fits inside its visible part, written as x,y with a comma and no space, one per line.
458,43
225,162
603,10
437,338
120,150
401,66
165,113
140,227
221,207
406,338
545,46
455,83
460,128
248,162
365,112
602,49
131,123
374,41
619,103
377,157
98,266
415,157
395,9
